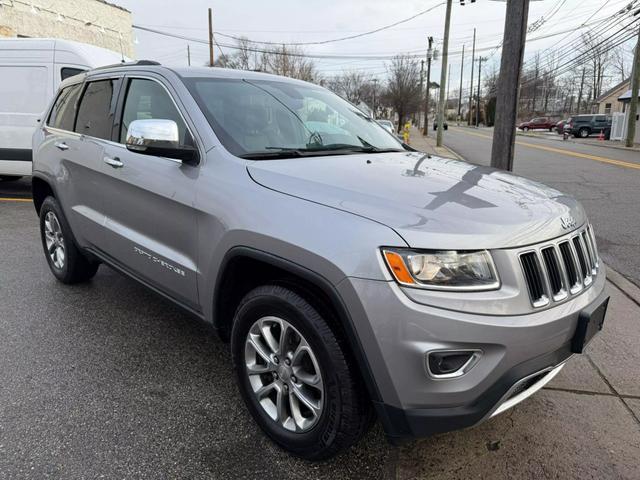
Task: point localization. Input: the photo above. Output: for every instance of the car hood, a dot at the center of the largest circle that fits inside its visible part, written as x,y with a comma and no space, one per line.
431,202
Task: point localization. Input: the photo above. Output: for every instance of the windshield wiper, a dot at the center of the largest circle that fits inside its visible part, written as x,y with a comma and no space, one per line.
280,153
320,150
359,148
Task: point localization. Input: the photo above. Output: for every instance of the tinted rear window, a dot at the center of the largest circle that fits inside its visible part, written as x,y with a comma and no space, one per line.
95,114
63,112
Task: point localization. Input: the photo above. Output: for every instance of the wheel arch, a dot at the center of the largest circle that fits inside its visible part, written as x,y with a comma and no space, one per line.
40,189
231,285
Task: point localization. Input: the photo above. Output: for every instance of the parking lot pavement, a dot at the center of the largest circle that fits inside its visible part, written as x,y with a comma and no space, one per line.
16,190
109,380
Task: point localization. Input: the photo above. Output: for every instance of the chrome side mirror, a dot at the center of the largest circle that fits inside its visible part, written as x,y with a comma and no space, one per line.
159,137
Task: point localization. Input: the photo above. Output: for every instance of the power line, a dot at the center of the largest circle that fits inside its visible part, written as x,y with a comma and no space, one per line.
417,54
333,40
590,54
606,24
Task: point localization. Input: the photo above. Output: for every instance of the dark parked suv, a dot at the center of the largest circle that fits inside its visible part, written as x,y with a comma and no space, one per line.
353,277
584,125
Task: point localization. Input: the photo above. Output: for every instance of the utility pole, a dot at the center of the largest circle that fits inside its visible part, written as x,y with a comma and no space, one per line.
635,90
443,73
421,86
478,96
460,94
473,56
580,92
188,55
210,38
425,130
515,35
448,83
375,88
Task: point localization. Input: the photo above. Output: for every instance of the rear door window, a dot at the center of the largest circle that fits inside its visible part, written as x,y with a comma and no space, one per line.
63,113
95,113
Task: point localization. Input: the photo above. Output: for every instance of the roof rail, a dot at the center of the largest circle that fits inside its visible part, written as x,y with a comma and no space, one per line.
129,64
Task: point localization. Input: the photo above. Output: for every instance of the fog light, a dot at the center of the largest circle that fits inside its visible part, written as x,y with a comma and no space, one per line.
451,363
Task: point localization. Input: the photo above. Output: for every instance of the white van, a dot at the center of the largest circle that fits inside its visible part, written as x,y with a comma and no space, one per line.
30,71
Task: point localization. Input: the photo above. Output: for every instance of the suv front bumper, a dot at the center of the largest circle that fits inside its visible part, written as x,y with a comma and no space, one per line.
519,355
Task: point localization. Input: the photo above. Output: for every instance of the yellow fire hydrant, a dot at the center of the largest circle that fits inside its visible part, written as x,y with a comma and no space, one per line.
405,133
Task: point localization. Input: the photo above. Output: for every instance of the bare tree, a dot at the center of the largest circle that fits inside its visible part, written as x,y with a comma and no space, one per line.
599,58
621,62
290,62
403,88
357,87
286,61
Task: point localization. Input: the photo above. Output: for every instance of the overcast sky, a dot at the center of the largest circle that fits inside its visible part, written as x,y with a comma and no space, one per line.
314,20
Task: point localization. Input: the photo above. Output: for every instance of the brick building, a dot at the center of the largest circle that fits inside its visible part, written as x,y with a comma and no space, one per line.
95,22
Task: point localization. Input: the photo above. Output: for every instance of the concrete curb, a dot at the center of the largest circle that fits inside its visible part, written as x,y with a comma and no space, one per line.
450,151
625,286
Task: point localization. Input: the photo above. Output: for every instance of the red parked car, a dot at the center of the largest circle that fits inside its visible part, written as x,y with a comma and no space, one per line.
538,123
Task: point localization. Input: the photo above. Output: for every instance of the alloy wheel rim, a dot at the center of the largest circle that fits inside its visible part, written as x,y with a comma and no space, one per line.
284,374
54,240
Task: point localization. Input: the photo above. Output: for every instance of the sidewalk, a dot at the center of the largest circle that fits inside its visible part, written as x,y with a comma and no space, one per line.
428,144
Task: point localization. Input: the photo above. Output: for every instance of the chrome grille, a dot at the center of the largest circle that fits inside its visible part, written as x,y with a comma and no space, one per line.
554,271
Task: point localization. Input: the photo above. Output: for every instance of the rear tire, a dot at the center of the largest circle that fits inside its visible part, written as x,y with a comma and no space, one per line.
66,261
341,412
525,129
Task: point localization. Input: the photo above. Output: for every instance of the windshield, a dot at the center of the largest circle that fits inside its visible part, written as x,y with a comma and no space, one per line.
278,119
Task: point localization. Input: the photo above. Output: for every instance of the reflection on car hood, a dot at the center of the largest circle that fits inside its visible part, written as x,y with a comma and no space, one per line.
431,202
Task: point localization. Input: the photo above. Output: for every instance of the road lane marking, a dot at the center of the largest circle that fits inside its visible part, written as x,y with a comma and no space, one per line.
611,161
16,199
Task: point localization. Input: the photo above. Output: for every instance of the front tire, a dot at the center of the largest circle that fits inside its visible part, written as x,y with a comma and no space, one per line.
525,129
583,132
294,375
66,261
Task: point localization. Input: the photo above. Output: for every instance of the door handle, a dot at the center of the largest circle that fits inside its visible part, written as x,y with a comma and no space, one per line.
61,146
114,162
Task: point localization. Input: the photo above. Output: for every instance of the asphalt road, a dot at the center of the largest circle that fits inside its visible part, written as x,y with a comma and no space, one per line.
108,380
605,180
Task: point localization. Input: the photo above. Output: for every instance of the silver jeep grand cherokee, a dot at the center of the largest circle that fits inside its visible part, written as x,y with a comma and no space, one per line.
354,277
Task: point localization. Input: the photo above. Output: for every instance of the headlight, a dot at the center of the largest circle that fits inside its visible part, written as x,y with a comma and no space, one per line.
443,269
